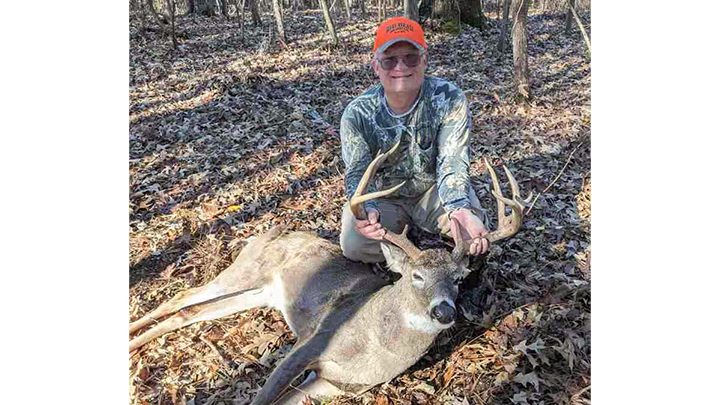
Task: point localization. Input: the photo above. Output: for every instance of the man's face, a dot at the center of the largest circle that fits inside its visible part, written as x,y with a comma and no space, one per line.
401,78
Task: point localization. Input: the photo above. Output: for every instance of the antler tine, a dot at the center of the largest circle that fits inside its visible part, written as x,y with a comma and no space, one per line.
496,192
508,225
403,242
461,246
358,198
516,188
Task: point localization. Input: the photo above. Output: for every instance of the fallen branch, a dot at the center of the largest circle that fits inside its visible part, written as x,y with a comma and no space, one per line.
217,352
556,179
577,19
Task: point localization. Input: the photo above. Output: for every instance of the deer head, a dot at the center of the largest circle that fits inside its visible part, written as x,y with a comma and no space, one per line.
435,274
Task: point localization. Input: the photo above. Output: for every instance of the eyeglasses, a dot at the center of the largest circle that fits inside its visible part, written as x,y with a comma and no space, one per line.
410,60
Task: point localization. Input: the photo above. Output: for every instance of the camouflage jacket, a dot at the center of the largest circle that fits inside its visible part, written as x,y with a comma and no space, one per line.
433,148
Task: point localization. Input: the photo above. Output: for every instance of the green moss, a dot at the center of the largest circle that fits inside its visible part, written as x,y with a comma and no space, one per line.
451,27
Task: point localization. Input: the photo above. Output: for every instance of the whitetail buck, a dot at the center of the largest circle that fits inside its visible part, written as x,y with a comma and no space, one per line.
354,329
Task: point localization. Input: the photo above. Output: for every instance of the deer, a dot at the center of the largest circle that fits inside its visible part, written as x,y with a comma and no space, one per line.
355,329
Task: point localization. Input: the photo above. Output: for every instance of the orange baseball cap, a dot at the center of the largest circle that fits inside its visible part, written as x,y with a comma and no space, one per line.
399,29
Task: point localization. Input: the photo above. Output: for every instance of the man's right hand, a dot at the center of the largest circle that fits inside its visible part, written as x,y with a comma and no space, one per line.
370,228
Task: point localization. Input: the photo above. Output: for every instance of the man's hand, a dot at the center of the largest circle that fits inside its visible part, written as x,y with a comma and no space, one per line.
370,228
472,228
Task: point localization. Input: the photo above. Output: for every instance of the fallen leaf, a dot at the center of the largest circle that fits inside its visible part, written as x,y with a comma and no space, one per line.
531,378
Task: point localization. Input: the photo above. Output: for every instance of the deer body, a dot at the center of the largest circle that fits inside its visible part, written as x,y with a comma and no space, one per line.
354,329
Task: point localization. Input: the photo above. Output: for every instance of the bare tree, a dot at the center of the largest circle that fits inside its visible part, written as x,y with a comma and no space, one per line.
502,41
411,10
329,21
141,16
579,23
277,11
171,11
255,12
240,14
159,19
347,7
467,11
521,70
569,17
382,9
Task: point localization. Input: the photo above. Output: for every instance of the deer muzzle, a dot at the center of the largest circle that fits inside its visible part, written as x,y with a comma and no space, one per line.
443,313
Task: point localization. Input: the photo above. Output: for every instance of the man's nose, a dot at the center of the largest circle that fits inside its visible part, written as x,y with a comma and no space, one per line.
400,61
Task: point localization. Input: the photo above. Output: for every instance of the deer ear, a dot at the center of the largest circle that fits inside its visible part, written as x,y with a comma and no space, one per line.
394,256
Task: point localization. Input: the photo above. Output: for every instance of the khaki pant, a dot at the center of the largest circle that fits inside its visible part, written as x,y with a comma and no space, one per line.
425,211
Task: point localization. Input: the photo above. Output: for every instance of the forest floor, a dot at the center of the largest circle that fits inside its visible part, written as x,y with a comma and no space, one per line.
229,138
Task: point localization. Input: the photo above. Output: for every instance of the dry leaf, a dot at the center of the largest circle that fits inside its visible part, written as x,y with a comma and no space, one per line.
448,375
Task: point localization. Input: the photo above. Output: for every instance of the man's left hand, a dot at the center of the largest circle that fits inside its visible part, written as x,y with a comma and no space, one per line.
472,228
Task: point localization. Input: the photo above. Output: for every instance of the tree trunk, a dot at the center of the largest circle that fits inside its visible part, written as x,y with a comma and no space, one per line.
579,23
502,41
347,8
277,11
382,11
142,16
255,12
161,21
240,14
471,11
191,6
205,7
411,10
569,17
329,21
521,70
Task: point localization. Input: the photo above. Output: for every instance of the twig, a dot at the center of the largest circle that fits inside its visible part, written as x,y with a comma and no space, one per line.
216,351
579,23
133,387
554,181
579,393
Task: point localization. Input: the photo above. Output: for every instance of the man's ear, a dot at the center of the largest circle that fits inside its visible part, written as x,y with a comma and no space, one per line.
375,66
394,256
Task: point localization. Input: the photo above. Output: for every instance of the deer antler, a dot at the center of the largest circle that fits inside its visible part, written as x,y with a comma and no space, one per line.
403,242
358,198
508,225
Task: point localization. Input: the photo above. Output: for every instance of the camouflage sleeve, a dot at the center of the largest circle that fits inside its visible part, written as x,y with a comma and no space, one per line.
453,161
356,154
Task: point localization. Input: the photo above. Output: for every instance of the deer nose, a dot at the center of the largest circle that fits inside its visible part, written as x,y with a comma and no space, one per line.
443,312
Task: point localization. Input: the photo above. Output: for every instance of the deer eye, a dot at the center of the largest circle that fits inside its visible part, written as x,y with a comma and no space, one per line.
417,277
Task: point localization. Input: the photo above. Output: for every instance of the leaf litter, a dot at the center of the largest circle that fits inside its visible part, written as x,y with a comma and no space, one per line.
229,139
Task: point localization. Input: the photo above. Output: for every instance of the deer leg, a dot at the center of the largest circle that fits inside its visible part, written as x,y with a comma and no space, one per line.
314,386
300,357
205,312
182,300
